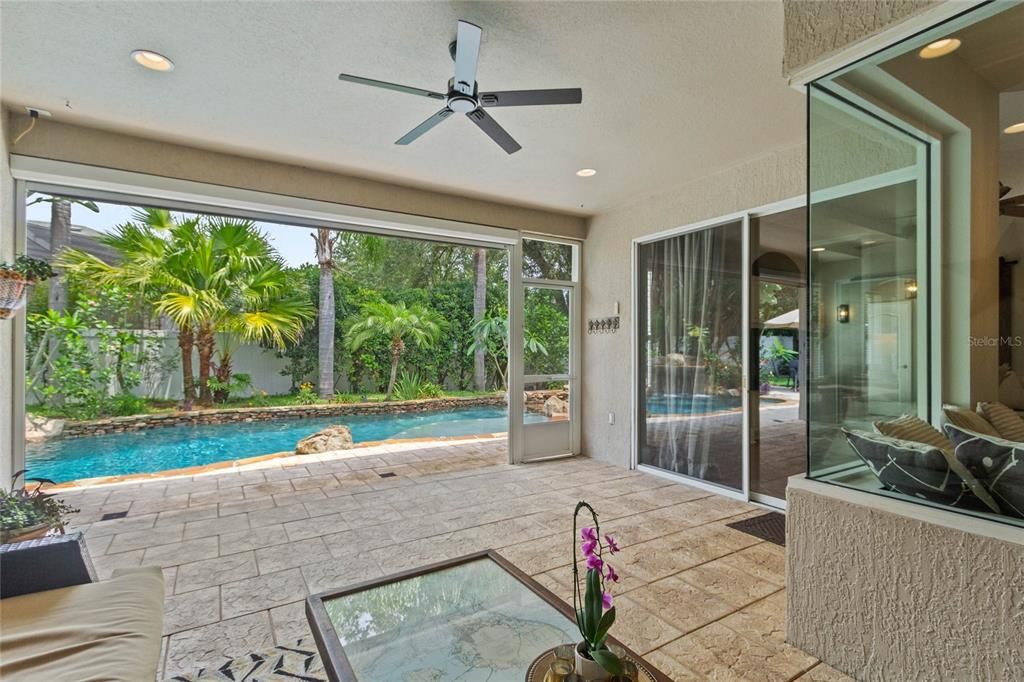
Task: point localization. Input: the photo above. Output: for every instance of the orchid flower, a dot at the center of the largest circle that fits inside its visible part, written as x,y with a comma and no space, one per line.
606,600
613,547
610,574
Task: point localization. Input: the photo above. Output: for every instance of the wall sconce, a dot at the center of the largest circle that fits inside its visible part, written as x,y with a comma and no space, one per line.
911,289
843,313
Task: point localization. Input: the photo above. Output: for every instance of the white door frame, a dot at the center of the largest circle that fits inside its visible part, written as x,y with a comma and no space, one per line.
518,449
635,390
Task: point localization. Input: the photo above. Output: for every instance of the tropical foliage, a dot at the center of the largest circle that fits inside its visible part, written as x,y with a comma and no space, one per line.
208,275
365,318
398,323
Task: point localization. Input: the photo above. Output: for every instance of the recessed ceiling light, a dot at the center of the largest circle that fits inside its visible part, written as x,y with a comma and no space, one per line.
152,60
1015,128
818,249
586,172
939,48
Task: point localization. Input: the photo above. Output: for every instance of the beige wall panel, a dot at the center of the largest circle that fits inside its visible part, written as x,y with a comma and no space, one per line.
65,142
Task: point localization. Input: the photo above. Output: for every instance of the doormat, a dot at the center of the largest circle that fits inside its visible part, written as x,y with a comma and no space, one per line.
770,527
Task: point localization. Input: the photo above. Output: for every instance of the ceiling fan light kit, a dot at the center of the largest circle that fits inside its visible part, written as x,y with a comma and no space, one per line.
463,96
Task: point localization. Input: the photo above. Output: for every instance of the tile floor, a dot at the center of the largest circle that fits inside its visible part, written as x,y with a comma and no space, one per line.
241,550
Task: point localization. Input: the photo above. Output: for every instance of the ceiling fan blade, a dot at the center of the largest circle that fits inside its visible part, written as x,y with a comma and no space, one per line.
1015,211
424,127
1003,190
467,53
1019,199
526,98
390,86
494,130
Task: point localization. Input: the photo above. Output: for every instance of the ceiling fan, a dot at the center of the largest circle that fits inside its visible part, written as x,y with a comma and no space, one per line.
1011,206
463,97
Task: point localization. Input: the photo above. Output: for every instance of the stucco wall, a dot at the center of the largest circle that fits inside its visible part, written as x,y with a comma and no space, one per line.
607,279
815,29
891,595
65,142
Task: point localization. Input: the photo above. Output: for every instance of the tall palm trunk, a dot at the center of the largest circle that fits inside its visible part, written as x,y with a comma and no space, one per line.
479,309
397,346
325,240
205,343
223,373
186,341
60,236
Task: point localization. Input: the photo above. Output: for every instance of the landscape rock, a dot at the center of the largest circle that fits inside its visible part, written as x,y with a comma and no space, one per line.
38,429
331,438
556,407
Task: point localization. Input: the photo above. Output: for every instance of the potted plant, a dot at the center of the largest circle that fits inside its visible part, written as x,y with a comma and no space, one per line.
594,611
15,278
29,514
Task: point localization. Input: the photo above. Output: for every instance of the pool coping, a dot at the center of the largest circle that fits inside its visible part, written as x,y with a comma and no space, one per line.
245,414
225,465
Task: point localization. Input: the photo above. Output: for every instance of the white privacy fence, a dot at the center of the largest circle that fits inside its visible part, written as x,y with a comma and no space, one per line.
161,372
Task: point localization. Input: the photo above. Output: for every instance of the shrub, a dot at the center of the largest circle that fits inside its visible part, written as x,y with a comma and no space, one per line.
125,404
411,387
306,395
347,398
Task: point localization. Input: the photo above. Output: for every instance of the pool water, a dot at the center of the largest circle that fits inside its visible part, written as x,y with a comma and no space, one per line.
174,447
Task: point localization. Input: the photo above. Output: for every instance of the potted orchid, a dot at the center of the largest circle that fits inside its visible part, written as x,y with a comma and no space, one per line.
595,613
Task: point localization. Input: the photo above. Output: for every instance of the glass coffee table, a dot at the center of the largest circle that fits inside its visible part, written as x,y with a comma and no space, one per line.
474,618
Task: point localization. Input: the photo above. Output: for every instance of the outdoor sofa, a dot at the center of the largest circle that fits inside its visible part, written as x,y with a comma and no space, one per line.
57,623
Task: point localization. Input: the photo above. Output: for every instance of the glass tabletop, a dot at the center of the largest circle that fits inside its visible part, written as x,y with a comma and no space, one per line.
472,621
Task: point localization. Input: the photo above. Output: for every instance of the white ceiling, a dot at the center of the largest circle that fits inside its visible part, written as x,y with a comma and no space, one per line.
671,91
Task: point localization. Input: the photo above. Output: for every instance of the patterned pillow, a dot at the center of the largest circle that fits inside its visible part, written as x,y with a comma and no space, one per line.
968,420
998,464
914,469
915,429
1006,422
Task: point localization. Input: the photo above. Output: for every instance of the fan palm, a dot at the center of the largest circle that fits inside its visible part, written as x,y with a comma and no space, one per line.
208,275
397,322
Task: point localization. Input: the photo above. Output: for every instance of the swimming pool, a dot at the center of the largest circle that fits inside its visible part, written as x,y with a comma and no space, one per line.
174,447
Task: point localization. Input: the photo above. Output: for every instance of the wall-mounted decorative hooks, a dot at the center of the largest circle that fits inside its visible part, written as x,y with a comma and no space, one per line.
603,325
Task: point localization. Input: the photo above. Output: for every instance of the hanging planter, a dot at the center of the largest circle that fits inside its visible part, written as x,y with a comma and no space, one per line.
16,279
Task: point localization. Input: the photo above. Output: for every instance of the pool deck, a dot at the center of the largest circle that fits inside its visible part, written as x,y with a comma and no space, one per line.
241,549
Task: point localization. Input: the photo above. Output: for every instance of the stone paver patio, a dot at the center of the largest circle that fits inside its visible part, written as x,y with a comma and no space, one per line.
242,549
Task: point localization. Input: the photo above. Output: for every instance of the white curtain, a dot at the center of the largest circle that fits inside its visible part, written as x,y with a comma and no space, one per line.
691,336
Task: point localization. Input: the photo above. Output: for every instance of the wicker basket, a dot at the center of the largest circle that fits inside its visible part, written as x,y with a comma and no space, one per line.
13,290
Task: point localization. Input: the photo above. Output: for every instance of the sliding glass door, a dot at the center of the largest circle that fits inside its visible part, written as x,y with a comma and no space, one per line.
691,343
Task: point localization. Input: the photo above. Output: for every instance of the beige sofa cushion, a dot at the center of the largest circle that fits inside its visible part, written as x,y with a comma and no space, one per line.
969,421
1008,424
108,630
909,427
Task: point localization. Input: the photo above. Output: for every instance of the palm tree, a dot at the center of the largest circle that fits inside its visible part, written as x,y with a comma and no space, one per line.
397,322
490,336
60,237
208,275
325,240
479,310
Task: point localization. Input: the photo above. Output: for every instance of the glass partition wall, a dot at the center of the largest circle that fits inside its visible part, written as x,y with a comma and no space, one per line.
916,295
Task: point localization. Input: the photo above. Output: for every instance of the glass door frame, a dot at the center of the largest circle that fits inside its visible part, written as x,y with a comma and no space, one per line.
636,392
636,389
518,451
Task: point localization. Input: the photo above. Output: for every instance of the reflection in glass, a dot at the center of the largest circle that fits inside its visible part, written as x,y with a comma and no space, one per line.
868,258
474,621
690,321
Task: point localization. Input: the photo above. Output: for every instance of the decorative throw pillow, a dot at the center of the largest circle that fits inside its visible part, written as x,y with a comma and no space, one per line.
996,463
913,428
1007,423
914,469
968,420
1011,391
